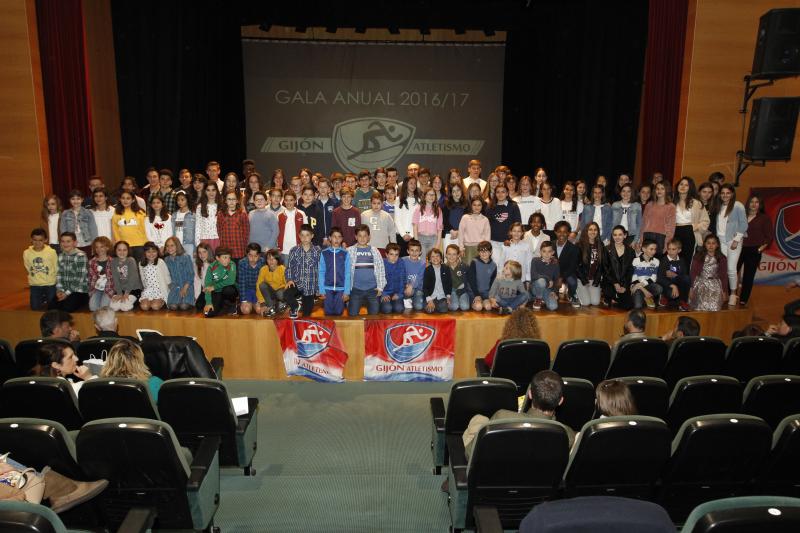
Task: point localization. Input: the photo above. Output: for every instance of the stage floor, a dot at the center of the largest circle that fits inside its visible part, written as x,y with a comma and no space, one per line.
251,348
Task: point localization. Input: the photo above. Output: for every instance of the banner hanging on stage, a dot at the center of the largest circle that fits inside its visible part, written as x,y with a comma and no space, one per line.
312,349
779,261
419,350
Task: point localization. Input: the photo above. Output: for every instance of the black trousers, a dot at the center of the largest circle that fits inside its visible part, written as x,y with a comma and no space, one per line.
73,302
686,236
622,299
659,239
224,298
750,258
292,294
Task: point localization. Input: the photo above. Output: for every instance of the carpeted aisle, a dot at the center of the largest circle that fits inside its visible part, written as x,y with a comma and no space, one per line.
351,457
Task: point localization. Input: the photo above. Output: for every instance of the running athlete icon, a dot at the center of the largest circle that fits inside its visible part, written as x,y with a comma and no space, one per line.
411,333
370,142
313,334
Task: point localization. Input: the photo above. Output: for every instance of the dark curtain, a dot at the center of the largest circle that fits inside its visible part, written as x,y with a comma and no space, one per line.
179,77
662,86
66,94
573,82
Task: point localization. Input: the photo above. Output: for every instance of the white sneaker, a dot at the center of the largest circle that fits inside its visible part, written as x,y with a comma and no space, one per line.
733,300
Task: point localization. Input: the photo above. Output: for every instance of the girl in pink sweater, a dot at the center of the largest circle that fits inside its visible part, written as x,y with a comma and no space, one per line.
658,220
474,228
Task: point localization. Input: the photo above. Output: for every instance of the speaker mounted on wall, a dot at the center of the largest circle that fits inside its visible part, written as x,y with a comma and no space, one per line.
777,52
773,122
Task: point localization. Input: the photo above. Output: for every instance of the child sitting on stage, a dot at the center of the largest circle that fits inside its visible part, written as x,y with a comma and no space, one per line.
459,299
568,259
480,277
673,277
508,290
414,266
247,277
334,274
302,274
644,288
544,277
181,273
271,285
367,275
155,279
438,283
220,284
392,297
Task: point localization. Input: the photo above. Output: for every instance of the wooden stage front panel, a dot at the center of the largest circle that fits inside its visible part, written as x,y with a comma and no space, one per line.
251,348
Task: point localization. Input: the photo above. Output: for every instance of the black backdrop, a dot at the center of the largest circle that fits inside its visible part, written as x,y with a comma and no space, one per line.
573,82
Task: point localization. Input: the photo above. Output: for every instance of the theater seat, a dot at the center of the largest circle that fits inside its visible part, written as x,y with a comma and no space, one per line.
195,408
772,398
597,514
650,395
38,443
467,398
638,357
748,357
96,348
40,397
26,353
781,473
179,357
713,456
518,360
773,514
582,358
8,365
618,456
145,467
693,356
116,398
578,405
790,364
514,465
703,395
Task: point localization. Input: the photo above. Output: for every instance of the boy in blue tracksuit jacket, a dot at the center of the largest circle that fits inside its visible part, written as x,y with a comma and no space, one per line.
334,274
392,296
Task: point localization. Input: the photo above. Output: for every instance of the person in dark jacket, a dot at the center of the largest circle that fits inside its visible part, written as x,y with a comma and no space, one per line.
334,274
392,297
437,283
618,269
480,276
673,276
568,259
502,214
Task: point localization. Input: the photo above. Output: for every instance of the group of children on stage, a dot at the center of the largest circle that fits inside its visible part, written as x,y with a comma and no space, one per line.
426,243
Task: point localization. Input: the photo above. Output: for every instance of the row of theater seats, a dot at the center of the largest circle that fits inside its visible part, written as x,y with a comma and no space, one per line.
516,464
594,360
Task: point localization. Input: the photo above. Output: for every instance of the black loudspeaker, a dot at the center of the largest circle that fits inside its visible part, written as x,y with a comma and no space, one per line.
777,45
772,125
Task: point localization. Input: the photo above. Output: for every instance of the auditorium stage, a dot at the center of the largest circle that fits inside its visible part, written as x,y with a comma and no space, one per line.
251,348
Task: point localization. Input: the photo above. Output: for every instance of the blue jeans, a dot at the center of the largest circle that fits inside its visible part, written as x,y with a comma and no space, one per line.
392,306
459,302
333,303
572,285
541,291
513,302
41,295
439,306
98,299
359,297
418,300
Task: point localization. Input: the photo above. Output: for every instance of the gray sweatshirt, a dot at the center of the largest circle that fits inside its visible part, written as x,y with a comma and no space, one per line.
381,227
264,228
126,275
506,288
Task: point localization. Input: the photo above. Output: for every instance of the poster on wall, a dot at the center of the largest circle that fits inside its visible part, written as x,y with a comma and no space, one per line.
419,350
344,107
779,261
312,349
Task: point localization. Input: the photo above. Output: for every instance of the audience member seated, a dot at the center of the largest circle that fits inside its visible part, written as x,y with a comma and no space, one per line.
789,326
57,324
126,360
545,395
58,360
750,330
106,324
685,326
521,324
634,325
18,483
614,398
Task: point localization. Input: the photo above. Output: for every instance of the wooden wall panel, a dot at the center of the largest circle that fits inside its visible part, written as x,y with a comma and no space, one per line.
23,137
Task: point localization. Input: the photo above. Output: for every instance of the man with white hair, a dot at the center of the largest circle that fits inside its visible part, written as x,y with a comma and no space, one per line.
106,324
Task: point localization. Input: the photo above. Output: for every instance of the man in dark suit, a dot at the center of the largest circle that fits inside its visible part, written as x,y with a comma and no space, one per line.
568,258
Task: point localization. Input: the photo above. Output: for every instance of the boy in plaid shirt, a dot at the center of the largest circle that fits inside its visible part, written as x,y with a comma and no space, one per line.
72,286
302,273
247,272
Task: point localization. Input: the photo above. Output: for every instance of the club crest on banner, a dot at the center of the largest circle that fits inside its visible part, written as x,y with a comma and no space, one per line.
787,230
405,342
310,338
370,142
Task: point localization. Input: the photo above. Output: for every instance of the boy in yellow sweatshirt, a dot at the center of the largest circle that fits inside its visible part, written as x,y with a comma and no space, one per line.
41,262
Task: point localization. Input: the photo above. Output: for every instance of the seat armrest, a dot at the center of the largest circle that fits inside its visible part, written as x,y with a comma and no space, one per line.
487,519
458,460
242,421
202,459
482,368
218,363
437,414
138,520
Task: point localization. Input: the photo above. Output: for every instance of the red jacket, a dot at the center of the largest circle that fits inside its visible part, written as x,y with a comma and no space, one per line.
298,221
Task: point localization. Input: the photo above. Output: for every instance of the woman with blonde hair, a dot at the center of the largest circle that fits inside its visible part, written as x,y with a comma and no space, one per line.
126,360
520,324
